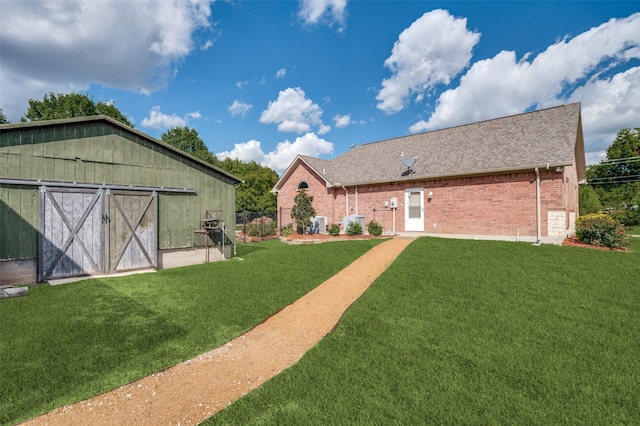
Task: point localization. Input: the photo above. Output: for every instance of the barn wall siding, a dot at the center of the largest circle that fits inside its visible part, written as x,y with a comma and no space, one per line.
101,153
501,205
18,222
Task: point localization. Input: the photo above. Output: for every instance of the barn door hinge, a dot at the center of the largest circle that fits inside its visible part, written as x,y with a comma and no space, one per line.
106,219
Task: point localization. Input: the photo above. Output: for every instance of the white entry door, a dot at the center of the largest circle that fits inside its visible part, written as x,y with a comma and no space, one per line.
414,209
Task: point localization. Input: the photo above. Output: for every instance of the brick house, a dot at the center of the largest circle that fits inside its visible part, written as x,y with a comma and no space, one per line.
513,178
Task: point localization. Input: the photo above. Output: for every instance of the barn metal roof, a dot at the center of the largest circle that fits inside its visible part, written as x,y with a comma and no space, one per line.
115,123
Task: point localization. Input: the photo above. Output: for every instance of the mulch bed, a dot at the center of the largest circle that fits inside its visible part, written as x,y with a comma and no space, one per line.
574,242
321,238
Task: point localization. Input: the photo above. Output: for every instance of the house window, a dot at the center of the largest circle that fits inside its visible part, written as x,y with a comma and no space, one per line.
303,185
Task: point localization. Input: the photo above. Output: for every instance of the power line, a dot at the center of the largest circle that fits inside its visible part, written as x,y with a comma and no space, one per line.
620,160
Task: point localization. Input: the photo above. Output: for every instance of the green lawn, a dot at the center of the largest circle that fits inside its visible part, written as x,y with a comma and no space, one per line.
455,332
633,230
66,343
473,332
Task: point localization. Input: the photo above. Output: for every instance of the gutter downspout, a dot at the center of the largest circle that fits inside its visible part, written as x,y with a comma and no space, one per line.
346,207
537,243
356,200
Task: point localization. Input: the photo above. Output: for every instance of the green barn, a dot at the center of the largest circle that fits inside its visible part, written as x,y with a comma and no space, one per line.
92,196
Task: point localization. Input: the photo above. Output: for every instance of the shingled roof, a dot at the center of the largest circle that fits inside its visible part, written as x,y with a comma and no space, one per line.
545,138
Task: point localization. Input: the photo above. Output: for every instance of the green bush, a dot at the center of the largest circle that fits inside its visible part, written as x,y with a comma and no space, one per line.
334,229
354,228
261,227
374,228
601,230
287,230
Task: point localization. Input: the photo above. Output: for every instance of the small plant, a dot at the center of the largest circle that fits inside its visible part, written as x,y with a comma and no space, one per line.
374,228
334,229
601,230
354,228
287,230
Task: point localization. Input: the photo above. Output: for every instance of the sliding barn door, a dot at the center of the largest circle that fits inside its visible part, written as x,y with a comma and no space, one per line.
132,238
71,232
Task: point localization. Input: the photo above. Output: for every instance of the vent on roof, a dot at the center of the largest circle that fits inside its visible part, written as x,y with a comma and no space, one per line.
408,162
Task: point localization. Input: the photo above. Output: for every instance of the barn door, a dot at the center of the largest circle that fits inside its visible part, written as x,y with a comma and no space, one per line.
132,238
71,232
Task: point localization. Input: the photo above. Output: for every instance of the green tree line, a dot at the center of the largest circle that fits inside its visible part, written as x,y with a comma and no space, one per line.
614,183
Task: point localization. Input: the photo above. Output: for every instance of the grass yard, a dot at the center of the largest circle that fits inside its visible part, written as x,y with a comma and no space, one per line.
66,343
633,230
473,332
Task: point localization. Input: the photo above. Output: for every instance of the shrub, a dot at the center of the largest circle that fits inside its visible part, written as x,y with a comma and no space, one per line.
287,230
334,229
302,211
601,230
354,228
374,228
261,227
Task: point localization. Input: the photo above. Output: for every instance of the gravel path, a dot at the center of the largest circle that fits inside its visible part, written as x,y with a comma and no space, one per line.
195,390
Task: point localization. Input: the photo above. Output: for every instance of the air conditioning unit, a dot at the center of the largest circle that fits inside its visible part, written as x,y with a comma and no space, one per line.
322,223
352,218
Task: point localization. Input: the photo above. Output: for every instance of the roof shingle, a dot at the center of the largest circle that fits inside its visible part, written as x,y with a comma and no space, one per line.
512,143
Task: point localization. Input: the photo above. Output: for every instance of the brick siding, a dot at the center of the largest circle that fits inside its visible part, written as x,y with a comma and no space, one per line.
503,204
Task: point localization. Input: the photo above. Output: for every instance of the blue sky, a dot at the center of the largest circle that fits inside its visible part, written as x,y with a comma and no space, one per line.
267,80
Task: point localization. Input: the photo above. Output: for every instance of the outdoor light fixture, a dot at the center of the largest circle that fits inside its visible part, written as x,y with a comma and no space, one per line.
559,169
430,195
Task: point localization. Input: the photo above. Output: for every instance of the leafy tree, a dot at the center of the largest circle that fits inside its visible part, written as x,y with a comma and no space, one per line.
622,164
588,200
70,105
616,180
254,193
110,110
302,211
188,141
3,118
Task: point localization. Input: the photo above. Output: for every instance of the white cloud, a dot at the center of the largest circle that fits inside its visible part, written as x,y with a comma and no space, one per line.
342,120
43,41
608,105
323,129
281,73
158,120
432,50
293,112
241,84
239,108
246,151
284,153
331,12
206,45
573,69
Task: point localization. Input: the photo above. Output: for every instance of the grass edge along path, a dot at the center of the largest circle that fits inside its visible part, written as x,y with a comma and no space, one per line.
194,390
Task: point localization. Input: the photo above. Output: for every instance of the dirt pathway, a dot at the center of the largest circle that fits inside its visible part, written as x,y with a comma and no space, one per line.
193,391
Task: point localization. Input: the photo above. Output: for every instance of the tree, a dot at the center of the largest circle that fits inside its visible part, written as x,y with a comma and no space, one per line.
70,105
616,180
3,118
254,193
189,141
302,211
588,200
